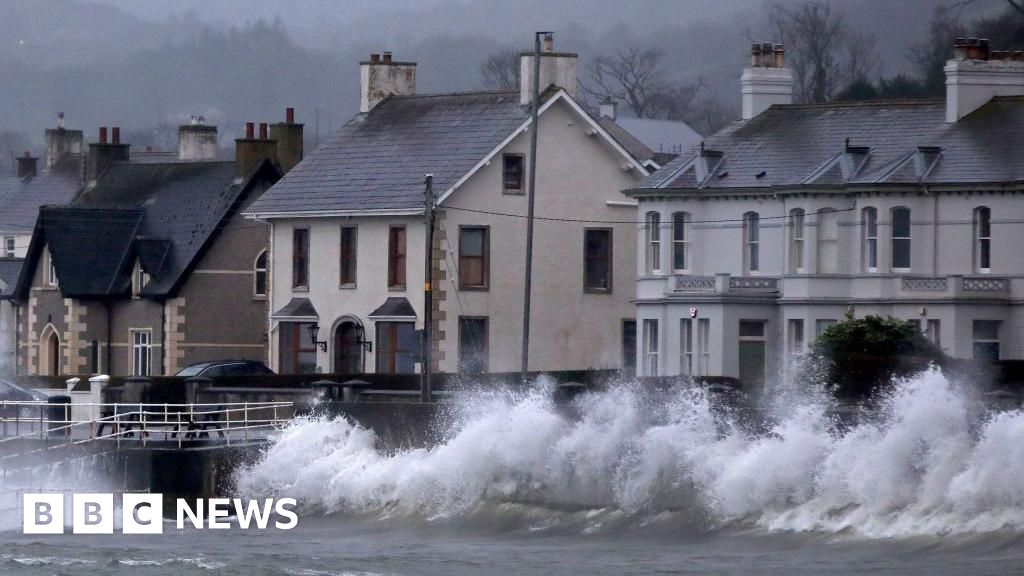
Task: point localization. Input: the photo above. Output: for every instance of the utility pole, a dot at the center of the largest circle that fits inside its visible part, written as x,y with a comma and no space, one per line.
428,294
530,195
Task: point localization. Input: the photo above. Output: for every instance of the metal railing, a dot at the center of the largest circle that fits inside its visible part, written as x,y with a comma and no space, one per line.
140,423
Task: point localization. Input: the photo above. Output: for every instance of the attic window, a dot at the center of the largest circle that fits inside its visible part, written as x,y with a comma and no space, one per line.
139,280
512,173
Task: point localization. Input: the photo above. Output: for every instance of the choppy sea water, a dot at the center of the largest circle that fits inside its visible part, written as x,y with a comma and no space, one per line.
635,483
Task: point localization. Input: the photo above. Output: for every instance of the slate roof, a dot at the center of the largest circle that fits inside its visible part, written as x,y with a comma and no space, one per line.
638,149
666,136
851,144
9,270
296,308
378,160
394,307
162,214
20,199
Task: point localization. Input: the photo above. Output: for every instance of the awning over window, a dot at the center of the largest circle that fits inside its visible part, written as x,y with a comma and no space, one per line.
394,308
297,310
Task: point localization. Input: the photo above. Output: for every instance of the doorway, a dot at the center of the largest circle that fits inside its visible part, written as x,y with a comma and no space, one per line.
348,351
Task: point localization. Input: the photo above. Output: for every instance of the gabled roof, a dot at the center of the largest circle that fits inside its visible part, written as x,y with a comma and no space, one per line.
881,143
667,136
20,198
9,270
163,215
296,309
394,307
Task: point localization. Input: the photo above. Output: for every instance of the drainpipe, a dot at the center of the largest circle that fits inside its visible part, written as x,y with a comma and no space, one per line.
110,357
935,231
163,337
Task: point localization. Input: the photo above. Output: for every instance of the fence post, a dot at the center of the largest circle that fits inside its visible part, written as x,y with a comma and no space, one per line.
142,425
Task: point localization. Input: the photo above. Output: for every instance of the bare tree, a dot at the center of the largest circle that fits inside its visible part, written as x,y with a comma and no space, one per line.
930,55
500,71
632,75
813,37
675,100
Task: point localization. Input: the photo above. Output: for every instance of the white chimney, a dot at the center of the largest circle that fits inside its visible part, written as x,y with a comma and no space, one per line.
380,77
609,109
767,81
558,68
197,142
976,74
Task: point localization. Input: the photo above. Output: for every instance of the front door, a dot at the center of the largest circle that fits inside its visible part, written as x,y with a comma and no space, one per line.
348,353
752,359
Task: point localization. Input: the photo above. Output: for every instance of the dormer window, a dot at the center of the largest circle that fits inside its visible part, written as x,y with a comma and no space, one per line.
51,270
139,279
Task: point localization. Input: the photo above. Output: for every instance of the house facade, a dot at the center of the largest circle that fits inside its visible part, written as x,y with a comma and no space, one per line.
799,215
152,267
348,233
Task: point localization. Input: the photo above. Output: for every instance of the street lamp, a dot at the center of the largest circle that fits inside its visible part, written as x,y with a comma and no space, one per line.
314,330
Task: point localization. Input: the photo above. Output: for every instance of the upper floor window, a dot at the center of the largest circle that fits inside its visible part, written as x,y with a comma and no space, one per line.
300,258
142,352
512,173
870,223
901,238
474,251
796,240
259,282
680,242
752,242
828,241
9,246
347,256
139,279
597,260
51,270
653,221
982,239
396,258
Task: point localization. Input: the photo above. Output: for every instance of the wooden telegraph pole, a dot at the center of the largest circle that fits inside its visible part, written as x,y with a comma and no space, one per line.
428,294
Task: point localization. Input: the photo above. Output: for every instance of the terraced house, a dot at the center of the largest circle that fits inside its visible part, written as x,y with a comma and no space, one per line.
348,242
796,215
152,267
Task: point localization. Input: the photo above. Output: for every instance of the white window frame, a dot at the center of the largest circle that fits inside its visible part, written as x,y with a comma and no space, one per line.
997,340
870,223
10,245
681,240
704,345
650,347
983,240
933,331
686,365
796,240
139,279
827,219
752,243
141,341
256,271
797,339
908,239
51,271
653,221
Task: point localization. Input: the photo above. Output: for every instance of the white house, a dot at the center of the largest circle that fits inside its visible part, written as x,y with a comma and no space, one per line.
796,215
348,232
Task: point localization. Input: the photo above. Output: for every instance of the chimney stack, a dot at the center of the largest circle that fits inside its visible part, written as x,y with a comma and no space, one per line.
27,165
767,81
251,152
556,68
61,142
102,154
197,141
380,78
976,74
289,136
609,109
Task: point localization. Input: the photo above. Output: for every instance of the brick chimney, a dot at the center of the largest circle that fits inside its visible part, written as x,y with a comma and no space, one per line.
767,81
556,68
103,153
977,73
380,77
197,141
61,142
27,165
251,151
289,140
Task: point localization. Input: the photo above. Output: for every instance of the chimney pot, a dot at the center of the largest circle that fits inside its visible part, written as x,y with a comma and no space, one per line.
60,120
549,42
115,134
250,131
387,57
374,58
263,130
767,81
103,134
289,115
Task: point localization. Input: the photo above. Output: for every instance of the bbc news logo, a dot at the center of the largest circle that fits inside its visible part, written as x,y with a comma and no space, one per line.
144,514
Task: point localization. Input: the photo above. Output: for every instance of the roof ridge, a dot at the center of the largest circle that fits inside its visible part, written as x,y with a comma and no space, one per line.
863,103
443,94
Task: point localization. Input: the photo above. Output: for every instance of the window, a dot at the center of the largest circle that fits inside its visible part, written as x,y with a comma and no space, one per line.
901,238
653,242
629,347
474,254
297,353
512,173
300,258
686,347
821,325
752,241
796,240
9,246
51,270
94,357
396,258
933,332
870,218
796,337
828,241
986,339
473,345
650,347
753,353
597,260
139,279
259,278
142,352
347,259
396,347
704,344
982,240
680,242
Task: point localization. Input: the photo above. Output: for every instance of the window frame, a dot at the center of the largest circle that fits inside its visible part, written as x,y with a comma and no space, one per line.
609,259
141,351
797,339
681,223
797,240
650,346
976,341
752,243
299,331
300,258
830,218
259,269
139,280
869,236
397,261
393,353
484,258
521,190
348,257
10,246
51,279
686,347
652,241
894,239
486,340
983,240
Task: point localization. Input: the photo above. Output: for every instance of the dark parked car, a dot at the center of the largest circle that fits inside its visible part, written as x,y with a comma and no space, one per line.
226,368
